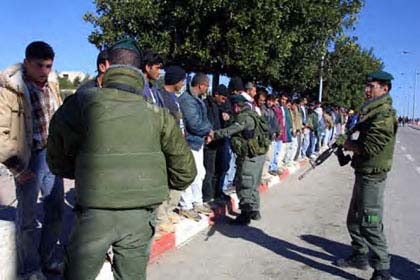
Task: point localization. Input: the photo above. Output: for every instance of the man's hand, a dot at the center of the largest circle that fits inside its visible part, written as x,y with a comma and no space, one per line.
209,137
225,116
341,139
350,145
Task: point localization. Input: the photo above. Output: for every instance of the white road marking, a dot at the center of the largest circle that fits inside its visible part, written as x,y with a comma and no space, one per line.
403,148
418,169
398,142
409,157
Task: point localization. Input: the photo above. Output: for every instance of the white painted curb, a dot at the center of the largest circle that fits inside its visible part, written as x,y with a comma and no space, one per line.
8,259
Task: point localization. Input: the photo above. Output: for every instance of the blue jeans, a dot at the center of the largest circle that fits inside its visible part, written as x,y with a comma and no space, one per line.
313,144
229,177
306,139
30,255
274,160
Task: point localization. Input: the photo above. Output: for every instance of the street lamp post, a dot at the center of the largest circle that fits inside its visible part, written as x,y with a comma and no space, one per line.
414,93
320,79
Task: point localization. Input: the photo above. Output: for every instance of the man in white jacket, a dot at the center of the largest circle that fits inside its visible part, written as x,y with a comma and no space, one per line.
29,96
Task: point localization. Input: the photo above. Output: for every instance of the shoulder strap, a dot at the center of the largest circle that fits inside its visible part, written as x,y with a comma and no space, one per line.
125,87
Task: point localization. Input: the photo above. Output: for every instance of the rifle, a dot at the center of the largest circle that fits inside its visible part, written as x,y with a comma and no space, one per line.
334,148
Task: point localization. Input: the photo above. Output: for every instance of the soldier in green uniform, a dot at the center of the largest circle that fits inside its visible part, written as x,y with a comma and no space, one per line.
249,161
124,154
372,160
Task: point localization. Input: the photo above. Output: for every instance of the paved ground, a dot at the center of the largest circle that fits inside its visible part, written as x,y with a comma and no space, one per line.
303,229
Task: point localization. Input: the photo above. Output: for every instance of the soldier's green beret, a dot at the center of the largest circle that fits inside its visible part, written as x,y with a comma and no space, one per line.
379,76
127,43
238,99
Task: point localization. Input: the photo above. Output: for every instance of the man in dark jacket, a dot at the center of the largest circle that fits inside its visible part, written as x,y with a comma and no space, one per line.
372,160
124,154
211,188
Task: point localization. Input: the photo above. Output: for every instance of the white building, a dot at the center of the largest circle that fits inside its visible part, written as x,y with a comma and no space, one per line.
72,75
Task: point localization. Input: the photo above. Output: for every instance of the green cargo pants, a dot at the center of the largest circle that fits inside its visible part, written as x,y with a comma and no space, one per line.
364,219
248,179
129,232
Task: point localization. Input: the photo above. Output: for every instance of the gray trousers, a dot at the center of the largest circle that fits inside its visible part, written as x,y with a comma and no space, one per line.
248,179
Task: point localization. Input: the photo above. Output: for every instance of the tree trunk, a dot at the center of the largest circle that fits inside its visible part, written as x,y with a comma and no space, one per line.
216,77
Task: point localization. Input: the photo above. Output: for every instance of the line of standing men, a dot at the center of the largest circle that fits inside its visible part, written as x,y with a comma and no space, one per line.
105,137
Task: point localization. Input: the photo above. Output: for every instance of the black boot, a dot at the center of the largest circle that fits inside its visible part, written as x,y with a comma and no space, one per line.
355,260
242,220
381,275
255,215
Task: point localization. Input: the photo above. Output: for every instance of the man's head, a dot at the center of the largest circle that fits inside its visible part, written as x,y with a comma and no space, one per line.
236,85
200,83
152,64
378,83
39,57
125,52
271,100
283,100
220,95
175,78
238,103
102,62
260,97
251,89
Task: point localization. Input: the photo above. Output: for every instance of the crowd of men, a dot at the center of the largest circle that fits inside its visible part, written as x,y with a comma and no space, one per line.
142,150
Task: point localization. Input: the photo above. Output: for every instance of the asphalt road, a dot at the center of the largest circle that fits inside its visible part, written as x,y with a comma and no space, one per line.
303,229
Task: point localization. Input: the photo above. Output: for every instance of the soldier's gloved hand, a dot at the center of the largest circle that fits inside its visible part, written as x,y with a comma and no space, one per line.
341,139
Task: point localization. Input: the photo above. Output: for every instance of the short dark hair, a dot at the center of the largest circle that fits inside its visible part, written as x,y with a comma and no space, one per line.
385,83
150,58
103,56
235,84
271,97
199,78
39,50
221,90
125,57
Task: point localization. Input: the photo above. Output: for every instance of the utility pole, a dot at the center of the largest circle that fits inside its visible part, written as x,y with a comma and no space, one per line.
320,79
414,93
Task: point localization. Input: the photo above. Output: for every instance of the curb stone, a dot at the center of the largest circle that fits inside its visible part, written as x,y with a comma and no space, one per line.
187,229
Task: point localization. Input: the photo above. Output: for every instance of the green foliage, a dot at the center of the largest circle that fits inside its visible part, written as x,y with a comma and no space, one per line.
76,82
275,42
346,71
65,83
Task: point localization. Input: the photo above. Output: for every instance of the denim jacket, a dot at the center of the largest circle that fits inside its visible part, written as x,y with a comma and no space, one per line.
196,122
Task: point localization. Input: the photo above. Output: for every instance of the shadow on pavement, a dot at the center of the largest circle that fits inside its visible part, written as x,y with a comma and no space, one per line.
401,268
278,246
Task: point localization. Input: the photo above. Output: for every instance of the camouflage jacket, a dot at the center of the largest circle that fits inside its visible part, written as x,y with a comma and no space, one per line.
377,127
240,131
